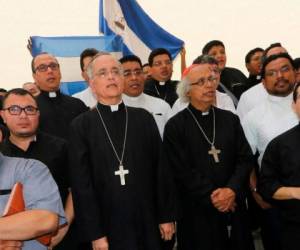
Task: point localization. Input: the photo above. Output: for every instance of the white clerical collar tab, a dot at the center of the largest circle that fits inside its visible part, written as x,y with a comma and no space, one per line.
52,94
114,108
161,83
205,113
258,77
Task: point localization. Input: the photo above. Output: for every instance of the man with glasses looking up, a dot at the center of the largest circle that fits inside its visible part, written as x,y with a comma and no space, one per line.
160,85
21,115
133,96
122,188
56,109
211,161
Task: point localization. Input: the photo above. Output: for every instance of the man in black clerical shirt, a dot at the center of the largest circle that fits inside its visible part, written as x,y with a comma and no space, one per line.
233,79
279,180
121,186
56,109
21,115
211,161
253,61
160,85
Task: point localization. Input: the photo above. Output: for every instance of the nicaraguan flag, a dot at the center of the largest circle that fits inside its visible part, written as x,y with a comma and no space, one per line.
67,50
139,32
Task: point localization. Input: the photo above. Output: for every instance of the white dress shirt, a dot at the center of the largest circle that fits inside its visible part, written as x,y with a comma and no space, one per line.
156,106
87,97
250,99
268,120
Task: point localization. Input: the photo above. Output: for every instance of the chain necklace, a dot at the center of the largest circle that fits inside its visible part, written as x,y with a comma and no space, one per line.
121,172
213,151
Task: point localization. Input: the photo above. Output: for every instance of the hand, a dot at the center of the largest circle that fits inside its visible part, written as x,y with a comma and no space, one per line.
223,199
182,51
29,45
58,237
167,230
100,244
259,200
10,245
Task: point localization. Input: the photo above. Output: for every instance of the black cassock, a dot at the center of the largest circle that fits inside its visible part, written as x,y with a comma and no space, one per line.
197,175
281,167
166,92
57,112
234,80
128,215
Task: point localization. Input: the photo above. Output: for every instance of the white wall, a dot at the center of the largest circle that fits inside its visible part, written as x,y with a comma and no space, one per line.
240,24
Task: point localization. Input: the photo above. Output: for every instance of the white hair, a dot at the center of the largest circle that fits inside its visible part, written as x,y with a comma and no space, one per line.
90,66
183,88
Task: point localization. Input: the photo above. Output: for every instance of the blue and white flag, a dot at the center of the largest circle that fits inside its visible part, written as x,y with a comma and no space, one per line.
67,50
139,32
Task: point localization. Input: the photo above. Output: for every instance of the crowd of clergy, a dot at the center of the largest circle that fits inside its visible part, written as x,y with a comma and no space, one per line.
138,161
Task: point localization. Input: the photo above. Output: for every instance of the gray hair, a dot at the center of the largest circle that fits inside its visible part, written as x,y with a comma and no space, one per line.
90,66
205,59
183,88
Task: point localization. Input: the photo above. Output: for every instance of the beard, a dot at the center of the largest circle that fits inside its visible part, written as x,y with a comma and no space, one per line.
282,91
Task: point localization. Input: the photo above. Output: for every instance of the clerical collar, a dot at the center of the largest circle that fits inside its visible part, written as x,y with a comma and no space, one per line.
112,108
205,113
50,94
258,77
161,83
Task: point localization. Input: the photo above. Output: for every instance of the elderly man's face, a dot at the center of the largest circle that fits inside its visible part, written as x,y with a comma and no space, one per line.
47,74
279,77
107,82
204,81
24,124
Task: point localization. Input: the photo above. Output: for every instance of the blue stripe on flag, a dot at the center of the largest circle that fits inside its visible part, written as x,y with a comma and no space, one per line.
71,88
72,46
68,50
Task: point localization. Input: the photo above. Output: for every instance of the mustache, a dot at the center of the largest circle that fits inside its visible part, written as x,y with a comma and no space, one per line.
282,80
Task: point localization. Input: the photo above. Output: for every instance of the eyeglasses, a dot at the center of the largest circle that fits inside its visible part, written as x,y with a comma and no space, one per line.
202,81
103,73
161,63
274,73
129,73
17,110
44,67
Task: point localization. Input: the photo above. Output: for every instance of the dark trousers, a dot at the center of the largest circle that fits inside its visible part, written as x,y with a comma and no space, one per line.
270,229
168,245
290,233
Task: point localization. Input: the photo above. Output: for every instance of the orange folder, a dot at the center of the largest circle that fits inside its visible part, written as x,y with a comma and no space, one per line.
16,204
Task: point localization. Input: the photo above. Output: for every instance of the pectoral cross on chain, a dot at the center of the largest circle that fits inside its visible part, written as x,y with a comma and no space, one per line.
122,172
214,152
